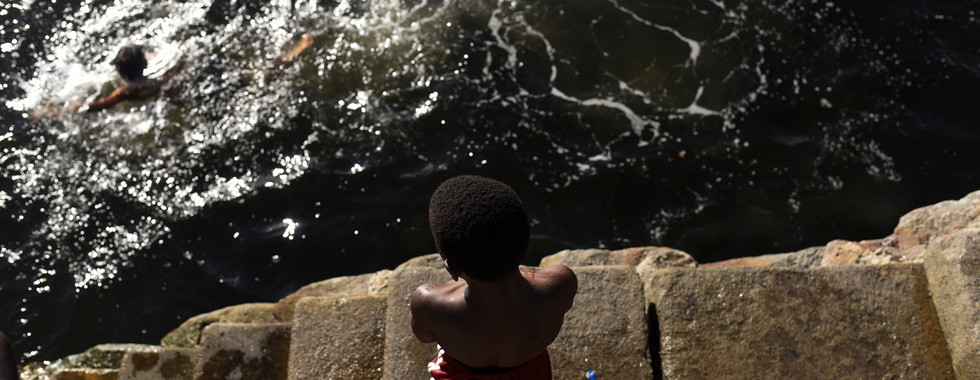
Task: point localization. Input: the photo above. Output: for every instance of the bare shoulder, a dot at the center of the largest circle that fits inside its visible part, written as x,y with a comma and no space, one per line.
424,301
558,280
431,296
424,296
555,275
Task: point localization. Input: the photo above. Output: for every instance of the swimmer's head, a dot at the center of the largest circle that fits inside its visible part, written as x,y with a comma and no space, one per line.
130,62
479,227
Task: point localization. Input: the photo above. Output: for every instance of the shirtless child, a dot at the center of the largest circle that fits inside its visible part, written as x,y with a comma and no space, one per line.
495,319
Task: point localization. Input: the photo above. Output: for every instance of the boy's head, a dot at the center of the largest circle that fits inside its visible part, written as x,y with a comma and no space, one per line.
479,226
130,62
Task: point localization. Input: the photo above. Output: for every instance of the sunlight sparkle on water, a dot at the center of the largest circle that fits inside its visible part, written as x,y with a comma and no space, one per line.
290,231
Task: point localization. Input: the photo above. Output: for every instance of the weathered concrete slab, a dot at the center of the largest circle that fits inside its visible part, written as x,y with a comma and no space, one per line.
103,356
952,264
97,363
188,334
661,256
919,225
159,363
244,351
338,338
405,357
86,374
840,322
606,329
432,260
836,252
368,284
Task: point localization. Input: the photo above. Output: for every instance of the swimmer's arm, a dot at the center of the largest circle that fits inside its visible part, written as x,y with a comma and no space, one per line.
287,59
304,43
123,93
100,104
420,305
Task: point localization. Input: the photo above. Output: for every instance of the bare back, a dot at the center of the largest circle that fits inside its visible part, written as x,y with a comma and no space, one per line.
495,324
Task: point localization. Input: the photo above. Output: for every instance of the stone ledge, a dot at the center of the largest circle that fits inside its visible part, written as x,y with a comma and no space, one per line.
244,351
606,329
405,358
953,264
159,363
188,334
856,322
338,338
807,313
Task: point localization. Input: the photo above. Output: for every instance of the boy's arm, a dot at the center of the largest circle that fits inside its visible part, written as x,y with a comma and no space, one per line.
419,305
567,283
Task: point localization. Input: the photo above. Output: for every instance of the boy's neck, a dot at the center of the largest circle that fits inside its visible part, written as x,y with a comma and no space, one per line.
513,281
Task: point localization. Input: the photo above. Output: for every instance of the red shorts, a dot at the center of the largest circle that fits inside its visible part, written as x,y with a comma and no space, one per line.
444,367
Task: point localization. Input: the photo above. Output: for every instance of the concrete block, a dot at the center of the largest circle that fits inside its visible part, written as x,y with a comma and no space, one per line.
86,374
942,218
244,351
188,334
368,284
405,358
839,322
659,256
159,363
606,329
952,264
338,338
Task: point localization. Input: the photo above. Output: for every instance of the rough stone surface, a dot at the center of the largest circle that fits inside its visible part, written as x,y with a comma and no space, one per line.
942,218
837,252
244,351
432,260
338,338
369,284
661,256
188,334
606,329
841,252
159,363
86,374
759,261
646,268
405,357
840,322
103,356
952,264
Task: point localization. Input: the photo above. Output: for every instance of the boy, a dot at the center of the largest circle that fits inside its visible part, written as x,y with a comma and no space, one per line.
495,319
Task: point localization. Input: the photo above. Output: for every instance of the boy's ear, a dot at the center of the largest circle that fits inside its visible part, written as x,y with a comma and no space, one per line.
449,268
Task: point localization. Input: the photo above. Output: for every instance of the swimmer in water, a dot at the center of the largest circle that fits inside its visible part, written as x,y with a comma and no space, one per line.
130,62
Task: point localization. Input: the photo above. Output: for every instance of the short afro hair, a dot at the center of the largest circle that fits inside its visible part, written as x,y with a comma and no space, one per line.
479,224
130,62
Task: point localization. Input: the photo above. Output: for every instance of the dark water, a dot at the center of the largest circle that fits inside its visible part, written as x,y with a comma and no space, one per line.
721,128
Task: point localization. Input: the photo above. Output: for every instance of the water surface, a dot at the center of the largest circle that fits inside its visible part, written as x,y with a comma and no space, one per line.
721,128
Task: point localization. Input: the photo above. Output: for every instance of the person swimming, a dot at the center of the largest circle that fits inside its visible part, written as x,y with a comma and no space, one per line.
130,63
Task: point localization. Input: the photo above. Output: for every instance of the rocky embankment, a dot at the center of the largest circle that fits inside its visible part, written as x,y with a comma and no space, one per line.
903,307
